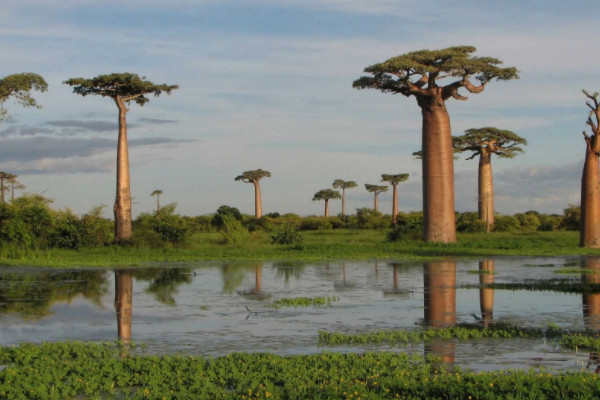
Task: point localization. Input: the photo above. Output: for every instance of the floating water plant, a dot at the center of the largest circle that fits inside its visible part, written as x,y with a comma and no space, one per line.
304,301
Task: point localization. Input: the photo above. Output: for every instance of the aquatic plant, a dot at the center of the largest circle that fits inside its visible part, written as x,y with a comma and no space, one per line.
304,301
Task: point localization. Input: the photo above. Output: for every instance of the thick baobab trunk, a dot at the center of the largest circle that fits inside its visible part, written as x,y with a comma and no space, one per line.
486,295
394,204
486,190
124,304
122,208
327,207
591,306
257,200
590,200
376,202
343,201
439,279
438,173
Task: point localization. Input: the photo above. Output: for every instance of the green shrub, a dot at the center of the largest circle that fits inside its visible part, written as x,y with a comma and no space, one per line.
217,220
233,231
506,223
287,233
368,218
470,222
313,223
407,227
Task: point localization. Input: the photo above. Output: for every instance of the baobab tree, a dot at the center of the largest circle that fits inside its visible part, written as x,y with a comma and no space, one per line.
341,184
19,88
589,234
376,189
419,74
254,177
394,180
123,88
484,142
14,184
326,194
4,178
157,193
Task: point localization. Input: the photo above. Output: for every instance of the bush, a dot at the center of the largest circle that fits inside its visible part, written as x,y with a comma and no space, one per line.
470,222
506,223
406,228
217,220
233,231
368,218
95,230
312,223
287,234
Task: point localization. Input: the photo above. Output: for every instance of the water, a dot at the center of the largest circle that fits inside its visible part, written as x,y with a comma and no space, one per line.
214,309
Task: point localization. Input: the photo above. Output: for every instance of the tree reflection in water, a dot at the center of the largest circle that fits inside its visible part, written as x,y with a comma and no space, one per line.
486,294
591,305
124,305
33,294
439,279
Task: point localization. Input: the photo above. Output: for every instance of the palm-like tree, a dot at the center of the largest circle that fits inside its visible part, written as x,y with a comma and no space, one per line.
376,189
394,180
326,194
254,177
157,193
341,184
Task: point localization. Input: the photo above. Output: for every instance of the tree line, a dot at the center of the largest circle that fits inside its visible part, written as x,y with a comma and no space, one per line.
417,74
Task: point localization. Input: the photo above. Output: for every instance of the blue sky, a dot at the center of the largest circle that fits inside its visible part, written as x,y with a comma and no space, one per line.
268,84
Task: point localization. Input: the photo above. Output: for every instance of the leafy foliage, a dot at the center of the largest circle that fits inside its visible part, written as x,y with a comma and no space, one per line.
500,142
253,176
326,194
287,233
19,88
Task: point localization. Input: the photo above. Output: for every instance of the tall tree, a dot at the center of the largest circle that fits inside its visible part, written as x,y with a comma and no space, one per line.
254,177
484,142
157,193
4,178
394,180
19,87
326,194
123,89
342,184
376,189
419,74
589,234
14,184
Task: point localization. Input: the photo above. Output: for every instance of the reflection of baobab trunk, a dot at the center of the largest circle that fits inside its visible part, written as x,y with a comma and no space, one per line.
395,276
486,295
258,273
440,305
123,305
591,305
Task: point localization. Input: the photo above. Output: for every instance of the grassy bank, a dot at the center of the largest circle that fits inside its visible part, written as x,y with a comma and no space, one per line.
317,246
79,370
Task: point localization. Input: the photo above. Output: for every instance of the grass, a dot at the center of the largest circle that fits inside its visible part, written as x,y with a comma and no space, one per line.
317,246
304,301
87,370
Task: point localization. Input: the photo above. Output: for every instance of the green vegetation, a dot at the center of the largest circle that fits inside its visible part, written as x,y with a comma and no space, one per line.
460,332
343,244
545,285
305,301
98,371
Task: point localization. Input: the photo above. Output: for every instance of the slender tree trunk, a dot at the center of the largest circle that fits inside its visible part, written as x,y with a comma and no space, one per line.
124,305
486,295
122,208
2,189
327,207
590,198
257,200
343,201
375,202
438,172
486,190
12,192
394,204
439,279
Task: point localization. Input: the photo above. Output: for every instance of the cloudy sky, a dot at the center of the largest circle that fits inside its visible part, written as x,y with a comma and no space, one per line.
268,84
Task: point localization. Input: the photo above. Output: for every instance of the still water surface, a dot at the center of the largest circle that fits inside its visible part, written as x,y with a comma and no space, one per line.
214,309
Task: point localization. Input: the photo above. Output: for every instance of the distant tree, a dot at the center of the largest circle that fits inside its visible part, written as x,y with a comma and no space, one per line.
376,189
326,194
4,178
157,193
394,180
589,234
123,89
19,87
418,74
254,177
14,185
341,184
484,142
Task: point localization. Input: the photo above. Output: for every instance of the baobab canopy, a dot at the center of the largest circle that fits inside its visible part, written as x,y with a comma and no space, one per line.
253,175
430,66
501,142
19,87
